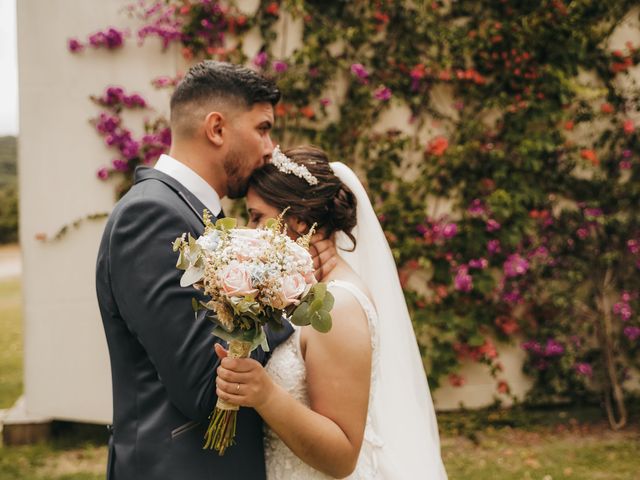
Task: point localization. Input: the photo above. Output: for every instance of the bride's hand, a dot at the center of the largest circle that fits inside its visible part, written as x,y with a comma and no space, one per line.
242,381
325,255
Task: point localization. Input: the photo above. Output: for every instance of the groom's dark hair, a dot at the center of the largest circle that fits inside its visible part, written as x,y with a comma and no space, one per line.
215,84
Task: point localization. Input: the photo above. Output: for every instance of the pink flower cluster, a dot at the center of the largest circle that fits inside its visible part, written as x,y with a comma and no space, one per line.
261,59
361,72
541,353
515,266
166,81
132,152
623,308
437,231
632,332
584,368
279,66
478,209
162,21
634,248
493,246
115,97
109,39
463,282
383,94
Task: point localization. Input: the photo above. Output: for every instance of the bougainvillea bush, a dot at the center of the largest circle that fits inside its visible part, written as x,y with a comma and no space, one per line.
510,187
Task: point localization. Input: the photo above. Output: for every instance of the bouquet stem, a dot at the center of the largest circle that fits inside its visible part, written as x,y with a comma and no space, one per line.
222,421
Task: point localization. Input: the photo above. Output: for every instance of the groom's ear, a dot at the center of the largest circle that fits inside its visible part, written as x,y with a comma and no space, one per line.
214,124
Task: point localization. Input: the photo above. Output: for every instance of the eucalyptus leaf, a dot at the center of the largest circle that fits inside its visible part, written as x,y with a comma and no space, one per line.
328,302
319,291
321,321
300,315
316,305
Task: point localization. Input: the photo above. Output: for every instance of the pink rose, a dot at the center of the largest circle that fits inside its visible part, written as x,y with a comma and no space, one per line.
247,243
236,281
293,287
301,255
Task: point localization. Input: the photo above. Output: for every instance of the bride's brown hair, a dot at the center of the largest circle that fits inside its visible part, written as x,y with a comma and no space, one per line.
330,203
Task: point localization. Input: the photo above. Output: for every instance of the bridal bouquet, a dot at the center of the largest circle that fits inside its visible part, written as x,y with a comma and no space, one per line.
252,278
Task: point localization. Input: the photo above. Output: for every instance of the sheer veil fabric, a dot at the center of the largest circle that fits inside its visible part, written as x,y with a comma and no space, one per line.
403,413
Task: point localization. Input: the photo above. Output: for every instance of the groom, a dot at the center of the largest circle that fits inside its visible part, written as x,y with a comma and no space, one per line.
162,359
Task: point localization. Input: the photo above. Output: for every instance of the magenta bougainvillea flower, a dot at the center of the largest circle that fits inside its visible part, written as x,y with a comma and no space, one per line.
632,333
463,281
360,71
515,265
493,225
383,94
584,369
260,60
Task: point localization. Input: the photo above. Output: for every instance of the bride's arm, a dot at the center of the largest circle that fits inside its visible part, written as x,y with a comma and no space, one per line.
327,436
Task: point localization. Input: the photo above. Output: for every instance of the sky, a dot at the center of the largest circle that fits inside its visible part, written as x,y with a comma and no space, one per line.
9,69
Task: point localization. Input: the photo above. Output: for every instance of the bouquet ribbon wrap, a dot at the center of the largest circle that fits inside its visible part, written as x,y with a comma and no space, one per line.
222,422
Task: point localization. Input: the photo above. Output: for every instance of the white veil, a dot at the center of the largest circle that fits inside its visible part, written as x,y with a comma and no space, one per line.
403,413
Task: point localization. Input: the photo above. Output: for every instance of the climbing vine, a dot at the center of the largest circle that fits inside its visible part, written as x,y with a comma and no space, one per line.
508,183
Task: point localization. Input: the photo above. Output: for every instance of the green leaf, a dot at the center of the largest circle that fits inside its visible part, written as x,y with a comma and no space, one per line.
315,306
182,263
195,305
226,223
476,340
319,291
328,302
321,321
177,243
300,315
191,275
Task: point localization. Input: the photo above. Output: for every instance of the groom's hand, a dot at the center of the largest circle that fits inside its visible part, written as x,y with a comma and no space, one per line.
325,255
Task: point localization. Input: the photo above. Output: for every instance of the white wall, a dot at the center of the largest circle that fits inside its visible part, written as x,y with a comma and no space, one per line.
67,372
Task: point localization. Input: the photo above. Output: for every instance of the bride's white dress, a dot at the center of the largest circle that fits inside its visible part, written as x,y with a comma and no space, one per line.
287,369
400,412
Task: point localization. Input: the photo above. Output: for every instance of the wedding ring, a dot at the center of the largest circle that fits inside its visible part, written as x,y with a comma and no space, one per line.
237,387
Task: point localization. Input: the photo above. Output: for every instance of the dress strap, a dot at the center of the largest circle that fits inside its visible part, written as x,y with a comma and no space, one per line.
362,297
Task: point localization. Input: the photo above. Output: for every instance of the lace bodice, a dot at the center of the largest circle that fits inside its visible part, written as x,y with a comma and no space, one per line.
287,369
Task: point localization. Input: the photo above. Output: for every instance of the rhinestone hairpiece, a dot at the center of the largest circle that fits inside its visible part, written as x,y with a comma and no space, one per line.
285,165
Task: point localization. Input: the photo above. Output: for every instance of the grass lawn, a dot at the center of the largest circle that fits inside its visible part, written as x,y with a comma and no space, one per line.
567,450
511,444
10,342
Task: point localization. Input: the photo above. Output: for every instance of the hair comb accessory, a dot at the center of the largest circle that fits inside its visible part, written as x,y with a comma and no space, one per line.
285,165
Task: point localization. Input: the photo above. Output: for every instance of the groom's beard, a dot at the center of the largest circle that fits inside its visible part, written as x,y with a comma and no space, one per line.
237,175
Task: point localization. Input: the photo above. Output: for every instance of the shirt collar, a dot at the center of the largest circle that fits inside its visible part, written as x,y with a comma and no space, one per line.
191,181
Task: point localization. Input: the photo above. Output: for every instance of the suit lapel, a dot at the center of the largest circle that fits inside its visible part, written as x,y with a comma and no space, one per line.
147,173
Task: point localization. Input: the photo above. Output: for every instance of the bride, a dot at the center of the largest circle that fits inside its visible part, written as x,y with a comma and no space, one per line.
353,402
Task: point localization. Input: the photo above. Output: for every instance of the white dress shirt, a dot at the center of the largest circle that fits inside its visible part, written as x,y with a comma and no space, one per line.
191,181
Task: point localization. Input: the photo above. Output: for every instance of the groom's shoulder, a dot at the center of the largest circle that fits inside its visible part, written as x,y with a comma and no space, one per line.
148,188
144,199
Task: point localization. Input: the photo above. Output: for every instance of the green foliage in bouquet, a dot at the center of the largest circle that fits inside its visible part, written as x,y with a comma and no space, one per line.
314,309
